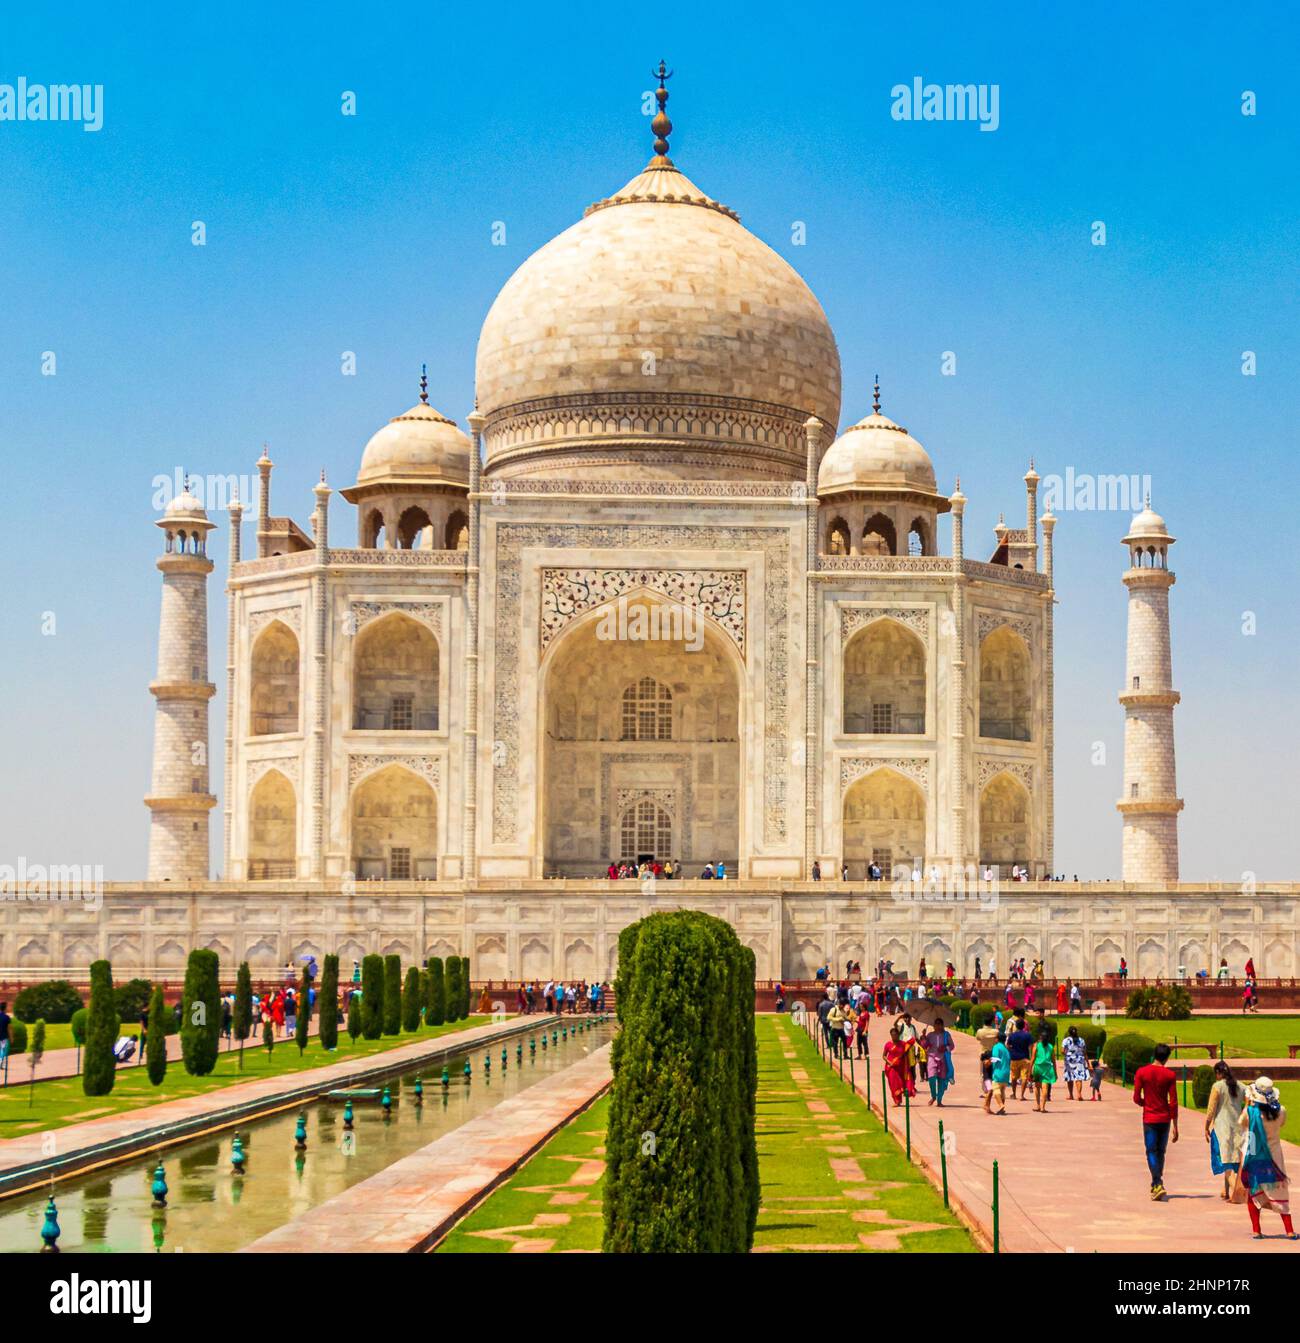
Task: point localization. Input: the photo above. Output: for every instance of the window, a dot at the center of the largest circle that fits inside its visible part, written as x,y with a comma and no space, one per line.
1137,681
399,864
884,860
1132,790
647,711
646,829
882,718
403,713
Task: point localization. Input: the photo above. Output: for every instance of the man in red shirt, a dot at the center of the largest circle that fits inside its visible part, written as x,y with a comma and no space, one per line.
1155,1089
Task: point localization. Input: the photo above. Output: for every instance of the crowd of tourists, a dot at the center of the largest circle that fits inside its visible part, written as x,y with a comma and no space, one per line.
555,997
670,869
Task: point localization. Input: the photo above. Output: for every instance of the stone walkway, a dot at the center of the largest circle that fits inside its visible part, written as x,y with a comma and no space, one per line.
1074,1179
79,1145
410,1205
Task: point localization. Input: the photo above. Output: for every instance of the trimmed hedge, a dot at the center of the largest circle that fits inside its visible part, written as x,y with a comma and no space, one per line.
1169,1002
392,995
97,1074
453,988
1202,1081
682,1162
1127,1052
17,1037
982,1014
133,1000
302,1021
55,1000
80,1024
201,1012
372,997
329,1004
464,988
354,1018
241,1019
435,1010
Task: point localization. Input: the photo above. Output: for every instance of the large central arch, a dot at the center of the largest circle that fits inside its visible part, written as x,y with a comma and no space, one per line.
640,737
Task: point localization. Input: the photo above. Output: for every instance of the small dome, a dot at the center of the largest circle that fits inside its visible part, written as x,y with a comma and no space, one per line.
185,508
1148,523
876,454
419,446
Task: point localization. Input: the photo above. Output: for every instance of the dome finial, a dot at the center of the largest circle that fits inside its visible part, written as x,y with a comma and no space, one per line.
1148,499
875,400
424,384
661,126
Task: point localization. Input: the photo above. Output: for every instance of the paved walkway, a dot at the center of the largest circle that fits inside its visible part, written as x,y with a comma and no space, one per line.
411,1204
79,1145
1075,1178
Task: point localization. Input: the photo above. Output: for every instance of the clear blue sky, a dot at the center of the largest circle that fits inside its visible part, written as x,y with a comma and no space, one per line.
374,234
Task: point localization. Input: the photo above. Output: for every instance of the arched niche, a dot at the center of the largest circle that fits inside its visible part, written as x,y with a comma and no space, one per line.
1004,824
884,680
274,678
884,820
395,676
1006,692
272,828
394,815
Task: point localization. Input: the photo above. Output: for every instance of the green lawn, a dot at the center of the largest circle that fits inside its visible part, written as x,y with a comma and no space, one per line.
1243,1036
61,1101
57,1036
832,1179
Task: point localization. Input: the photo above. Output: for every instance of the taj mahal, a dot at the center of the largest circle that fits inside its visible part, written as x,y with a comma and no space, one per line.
433,744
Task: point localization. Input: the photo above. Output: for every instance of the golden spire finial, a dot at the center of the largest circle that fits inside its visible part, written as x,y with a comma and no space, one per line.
661,126
875,400
424,384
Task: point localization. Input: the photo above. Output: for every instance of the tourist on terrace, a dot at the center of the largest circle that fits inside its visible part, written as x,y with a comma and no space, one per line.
1263,1167
1062,998
1020,1044
999,1076
1044,1070
817,871
1223,1125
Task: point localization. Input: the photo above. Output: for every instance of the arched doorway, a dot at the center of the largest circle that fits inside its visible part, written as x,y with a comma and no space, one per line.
1004,824
395,677
272,829
884,680
640,741
1005,688
273,683
884,820
394,826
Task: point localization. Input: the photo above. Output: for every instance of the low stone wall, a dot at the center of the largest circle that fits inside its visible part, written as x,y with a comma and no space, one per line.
569,929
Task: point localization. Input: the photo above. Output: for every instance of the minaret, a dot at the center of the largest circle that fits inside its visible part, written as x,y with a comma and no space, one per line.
1150,804
179,798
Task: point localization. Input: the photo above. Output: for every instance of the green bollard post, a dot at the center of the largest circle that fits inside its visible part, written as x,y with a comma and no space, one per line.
1123,1069
852,1080
997,1249
1184,1086
884,1101
943,1163
907,1106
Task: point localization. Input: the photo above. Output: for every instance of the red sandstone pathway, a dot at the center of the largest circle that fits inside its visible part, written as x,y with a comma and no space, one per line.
412,1203
1075,1178
130,1127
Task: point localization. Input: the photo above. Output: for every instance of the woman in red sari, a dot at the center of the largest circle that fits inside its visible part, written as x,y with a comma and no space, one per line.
1062,998
897,1073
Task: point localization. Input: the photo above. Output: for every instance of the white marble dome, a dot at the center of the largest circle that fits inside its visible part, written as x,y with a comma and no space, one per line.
656,330
875,454
420,446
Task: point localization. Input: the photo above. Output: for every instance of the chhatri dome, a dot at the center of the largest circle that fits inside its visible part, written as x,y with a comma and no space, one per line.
420,447
655,332
878,455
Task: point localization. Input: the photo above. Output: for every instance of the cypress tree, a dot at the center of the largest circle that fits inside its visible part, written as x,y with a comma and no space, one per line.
101,1032
302,1023
201,1013
392,995
354,1018
241,1021
372,997
329,1004
464,987
435,1012
268,1036
681,1171
155,1048
453,988
411,1000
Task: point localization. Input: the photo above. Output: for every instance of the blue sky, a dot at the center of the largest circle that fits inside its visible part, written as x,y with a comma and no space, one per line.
373,234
